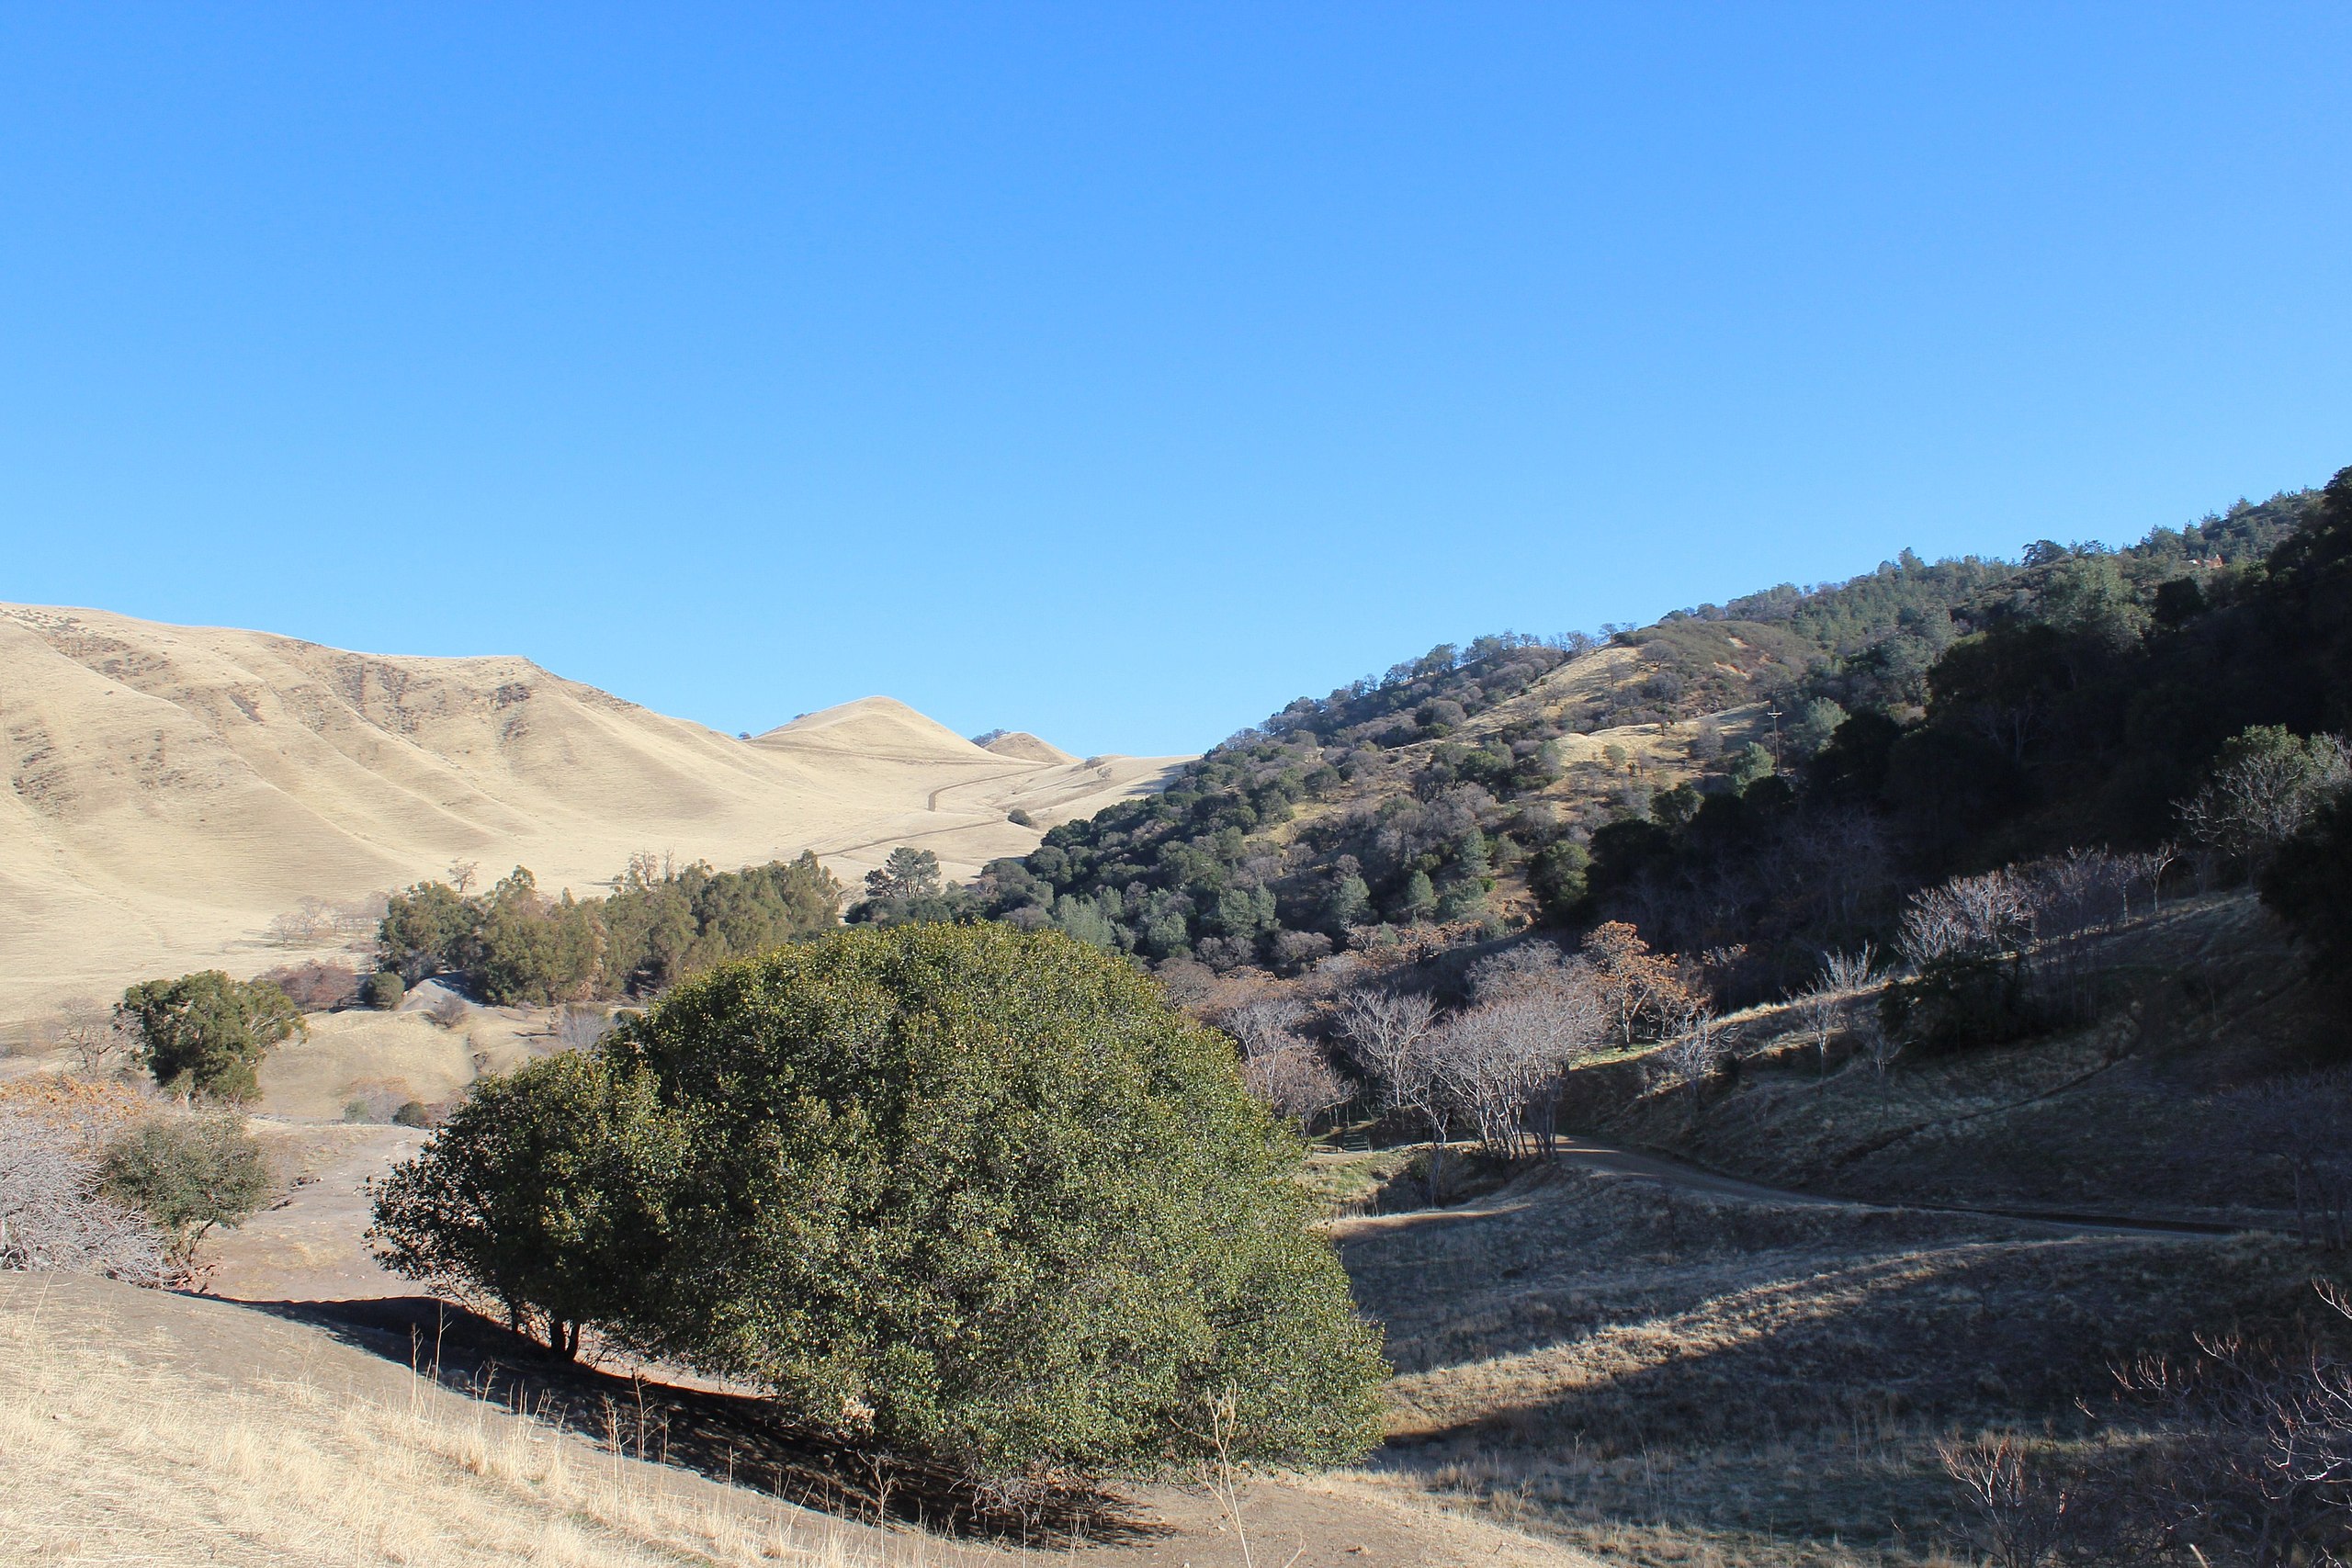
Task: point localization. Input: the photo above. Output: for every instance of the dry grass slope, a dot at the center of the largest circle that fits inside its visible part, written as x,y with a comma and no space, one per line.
175,788
139,1427
120,1444
1668,1377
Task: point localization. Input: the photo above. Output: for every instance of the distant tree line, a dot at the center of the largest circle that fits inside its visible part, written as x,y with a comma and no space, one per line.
659,924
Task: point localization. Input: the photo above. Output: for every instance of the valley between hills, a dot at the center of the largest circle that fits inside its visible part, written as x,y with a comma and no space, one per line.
173,790
1851,1077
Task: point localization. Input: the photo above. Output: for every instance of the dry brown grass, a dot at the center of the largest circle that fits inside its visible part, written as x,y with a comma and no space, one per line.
1664,1377
112,1454
94,1108
2146,1111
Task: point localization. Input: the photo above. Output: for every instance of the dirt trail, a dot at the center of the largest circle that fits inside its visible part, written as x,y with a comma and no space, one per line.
308,1245
1587,1155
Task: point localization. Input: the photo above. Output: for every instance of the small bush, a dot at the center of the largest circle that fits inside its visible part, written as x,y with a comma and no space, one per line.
412,1113
1960,1001
316,985
1020,818
383,990
188,1174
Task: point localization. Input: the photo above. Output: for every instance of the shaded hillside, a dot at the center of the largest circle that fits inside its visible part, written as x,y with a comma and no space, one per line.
2207,1062
1467,787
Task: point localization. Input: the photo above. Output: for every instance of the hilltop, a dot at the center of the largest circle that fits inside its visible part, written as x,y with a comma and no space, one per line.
176,789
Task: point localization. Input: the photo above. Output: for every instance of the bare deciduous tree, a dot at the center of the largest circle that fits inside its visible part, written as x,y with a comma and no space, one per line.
579,1027
1384,1027
1878,1044
1291,1074
2018,1506
1264,1026
96,1041
1395,1037
357,919
464,874
1298,1082
1842,976
1968,914
312,919
1693,1052
52,1216
1507,1057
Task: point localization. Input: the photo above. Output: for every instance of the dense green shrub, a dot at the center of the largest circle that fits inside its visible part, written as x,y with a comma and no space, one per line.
1960,1001
1557,876
2308,884
382,990
206,1033
544,1193
188,1174
986,1195
529,948
426,929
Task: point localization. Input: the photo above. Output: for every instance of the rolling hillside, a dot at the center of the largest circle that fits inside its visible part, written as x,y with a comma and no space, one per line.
174,789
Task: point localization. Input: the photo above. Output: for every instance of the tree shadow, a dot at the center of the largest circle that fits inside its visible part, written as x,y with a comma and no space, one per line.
735,1439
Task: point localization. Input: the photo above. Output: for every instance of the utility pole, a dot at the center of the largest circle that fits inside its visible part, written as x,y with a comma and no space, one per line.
1775,711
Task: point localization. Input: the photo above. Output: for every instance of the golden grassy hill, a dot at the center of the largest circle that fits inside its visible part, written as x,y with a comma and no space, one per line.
175,788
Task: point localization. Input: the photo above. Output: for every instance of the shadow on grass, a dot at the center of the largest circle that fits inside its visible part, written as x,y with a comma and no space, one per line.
730,1438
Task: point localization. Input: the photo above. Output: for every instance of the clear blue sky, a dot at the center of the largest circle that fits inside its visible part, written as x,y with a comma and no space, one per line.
1120,372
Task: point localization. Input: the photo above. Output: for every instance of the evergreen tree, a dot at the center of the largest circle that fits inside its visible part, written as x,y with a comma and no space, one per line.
1420,898
206,1033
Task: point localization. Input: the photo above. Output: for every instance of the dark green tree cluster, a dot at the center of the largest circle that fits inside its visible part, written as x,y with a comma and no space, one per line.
1190,873
1932,717
659,925
2082,700
964,1190
1423,698
206,1033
